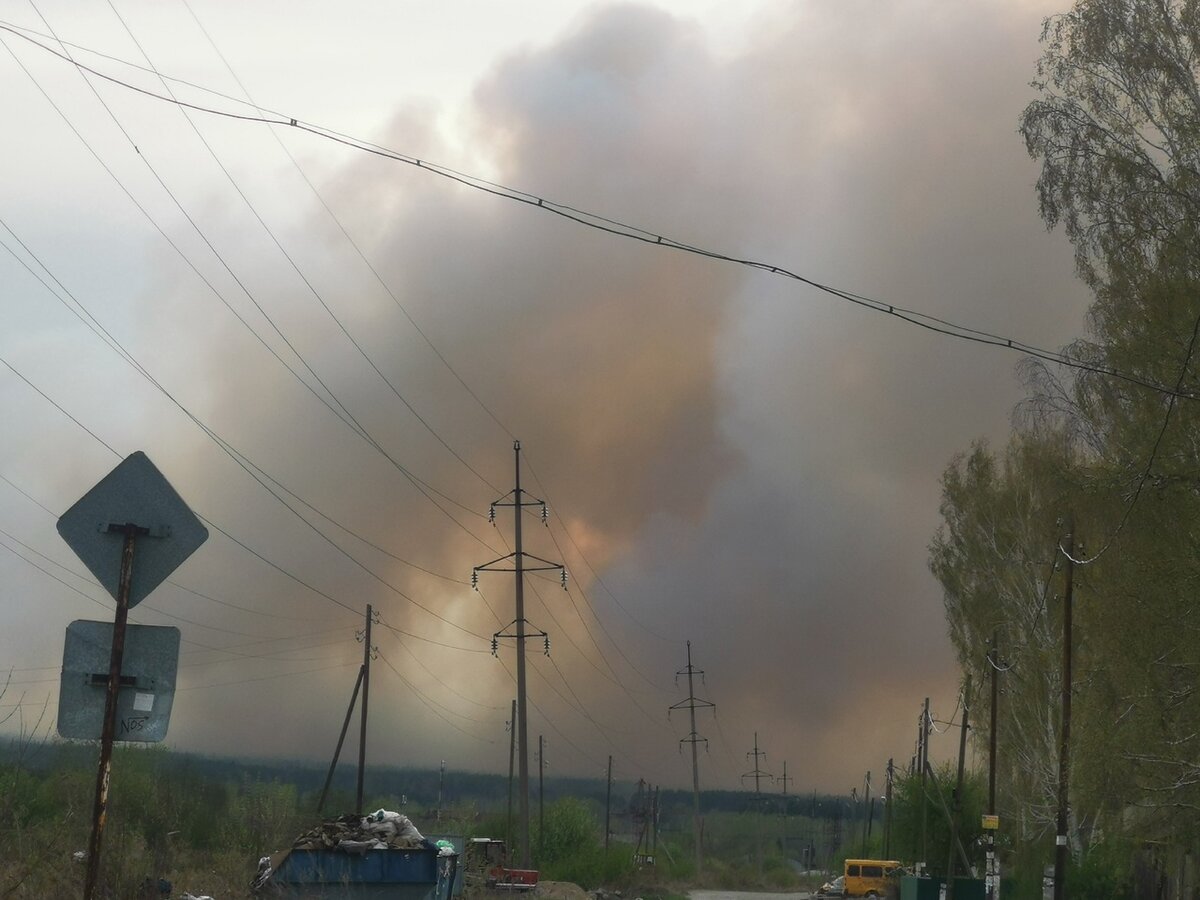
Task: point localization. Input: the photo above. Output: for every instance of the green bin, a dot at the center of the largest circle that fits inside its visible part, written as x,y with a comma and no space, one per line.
912,888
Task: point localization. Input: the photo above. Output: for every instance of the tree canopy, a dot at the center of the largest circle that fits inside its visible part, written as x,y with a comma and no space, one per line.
1115,126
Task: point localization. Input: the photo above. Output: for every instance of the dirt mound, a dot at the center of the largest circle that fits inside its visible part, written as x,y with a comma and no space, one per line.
560,890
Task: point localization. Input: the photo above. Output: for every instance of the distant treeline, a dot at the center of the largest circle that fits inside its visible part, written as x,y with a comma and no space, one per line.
419,786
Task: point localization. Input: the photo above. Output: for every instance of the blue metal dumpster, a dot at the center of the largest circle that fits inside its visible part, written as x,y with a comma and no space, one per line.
388,874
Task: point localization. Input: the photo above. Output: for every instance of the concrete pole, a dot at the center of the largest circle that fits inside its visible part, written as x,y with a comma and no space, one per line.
695,764
522,704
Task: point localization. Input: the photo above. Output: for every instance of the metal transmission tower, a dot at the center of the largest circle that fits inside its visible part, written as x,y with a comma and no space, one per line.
690,703
756,773
516,562
783,782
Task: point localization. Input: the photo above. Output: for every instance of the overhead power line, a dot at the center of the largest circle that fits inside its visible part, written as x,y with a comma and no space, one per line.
295,266
618,228
327,399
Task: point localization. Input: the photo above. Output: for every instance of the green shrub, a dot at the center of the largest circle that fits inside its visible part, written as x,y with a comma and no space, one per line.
1104,871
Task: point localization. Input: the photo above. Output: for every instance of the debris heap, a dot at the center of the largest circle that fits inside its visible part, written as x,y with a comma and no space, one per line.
354,834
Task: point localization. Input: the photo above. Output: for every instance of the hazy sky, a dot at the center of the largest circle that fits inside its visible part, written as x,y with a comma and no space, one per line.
729,457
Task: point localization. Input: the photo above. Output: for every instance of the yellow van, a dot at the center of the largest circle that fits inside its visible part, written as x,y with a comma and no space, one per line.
871,877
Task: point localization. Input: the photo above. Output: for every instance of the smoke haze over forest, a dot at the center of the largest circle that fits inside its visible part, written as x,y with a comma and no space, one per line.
730,457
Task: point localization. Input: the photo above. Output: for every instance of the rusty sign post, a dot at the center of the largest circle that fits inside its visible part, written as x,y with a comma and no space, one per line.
104,771
103,527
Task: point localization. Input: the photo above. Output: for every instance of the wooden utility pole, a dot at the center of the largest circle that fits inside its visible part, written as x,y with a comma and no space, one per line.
362,727
992,874
868,812
337,752
690,703
923,762
441,786
957,813
364,674
813,833
852,828
608,806
887,810
1064,746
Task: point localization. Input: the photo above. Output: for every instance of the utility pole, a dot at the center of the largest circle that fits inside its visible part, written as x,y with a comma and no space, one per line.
654,824
1064,747
641,818
887,810
341,739
441,785
757,774
608,806
512,752
812,833
868,811
690,703
784,779
364,674
992,874
923,762
541,796
957,814
853,814
368,651
517,560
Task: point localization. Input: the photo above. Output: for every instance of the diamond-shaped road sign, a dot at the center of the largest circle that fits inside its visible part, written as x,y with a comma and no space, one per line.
147,689
136,493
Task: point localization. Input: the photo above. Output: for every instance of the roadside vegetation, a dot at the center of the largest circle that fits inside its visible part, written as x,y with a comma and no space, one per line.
1101,464
202,824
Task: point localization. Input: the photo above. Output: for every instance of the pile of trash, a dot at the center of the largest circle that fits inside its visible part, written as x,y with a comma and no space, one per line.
353,834
380,830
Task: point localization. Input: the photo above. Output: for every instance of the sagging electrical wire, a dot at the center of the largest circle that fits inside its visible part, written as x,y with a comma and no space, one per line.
617,228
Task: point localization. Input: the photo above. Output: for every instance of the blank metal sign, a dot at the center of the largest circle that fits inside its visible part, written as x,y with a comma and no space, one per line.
147,681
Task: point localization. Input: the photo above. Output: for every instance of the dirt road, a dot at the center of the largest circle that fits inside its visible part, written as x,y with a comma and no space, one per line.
746,895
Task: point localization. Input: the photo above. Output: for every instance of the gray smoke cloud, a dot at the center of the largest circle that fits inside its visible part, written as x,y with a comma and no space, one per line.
745,462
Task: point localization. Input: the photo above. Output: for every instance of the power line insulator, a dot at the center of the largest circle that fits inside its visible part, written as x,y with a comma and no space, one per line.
492,514
495,647
547,644
545,516
474,579
562,576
